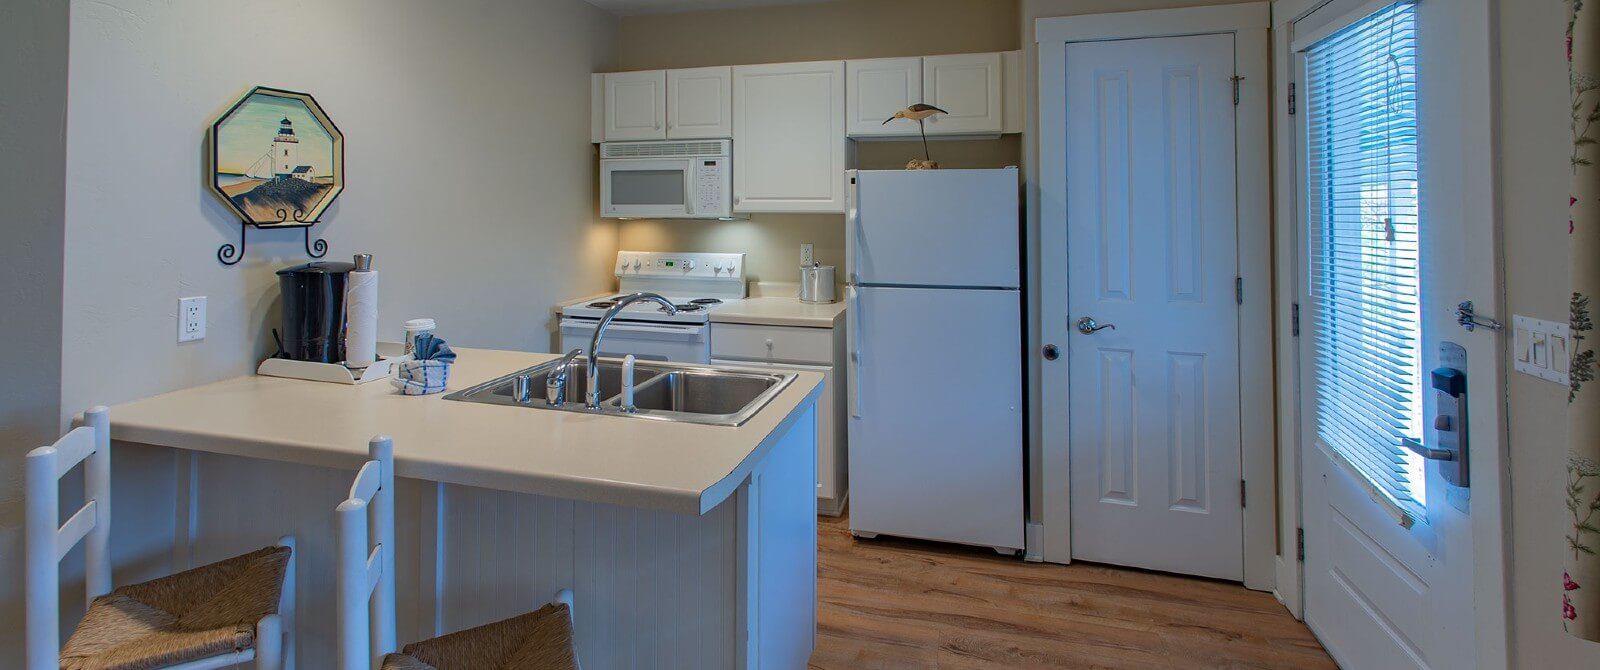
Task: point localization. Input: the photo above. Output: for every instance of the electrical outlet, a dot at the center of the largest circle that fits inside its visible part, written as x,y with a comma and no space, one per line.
191,319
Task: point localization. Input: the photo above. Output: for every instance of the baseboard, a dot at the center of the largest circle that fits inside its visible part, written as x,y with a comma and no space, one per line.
833,507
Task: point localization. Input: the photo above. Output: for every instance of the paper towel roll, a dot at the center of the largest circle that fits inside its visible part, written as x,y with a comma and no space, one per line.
361,319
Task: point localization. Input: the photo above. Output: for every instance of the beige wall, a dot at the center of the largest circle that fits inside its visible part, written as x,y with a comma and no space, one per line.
1534,179
470,177
827,31
33,107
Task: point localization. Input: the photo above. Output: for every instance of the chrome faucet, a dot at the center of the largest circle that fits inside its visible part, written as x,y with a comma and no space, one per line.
555,385
591,398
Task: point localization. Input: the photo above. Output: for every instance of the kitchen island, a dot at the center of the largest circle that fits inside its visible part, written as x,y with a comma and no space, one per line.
686,545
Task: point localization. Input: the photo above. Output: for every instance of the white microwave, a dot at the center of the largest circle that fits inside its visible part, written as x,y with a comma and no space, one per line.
690,179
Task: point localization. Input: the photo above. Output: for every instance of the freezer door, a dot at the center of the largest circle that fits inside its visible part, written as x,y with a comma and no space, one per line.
936,442
934,228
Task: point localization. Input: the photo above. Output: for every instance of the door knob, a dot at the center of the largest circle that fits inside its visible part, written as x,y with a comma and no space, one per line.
1087,326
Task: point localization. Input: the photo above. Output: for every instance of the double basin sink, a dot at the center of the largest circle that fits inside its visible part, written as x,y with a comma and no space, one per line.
662,391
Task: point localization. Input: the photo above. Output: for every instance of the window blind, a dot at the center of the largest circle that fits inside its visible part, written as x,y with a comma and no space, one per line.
1361,183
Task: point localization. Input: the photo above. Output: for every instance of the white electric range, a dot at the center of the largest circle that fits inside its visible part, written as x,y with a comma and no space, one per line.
698,283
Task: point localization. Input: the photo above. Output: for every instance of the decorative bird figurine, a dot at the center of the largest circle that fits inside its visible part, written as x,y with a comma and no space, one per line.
918,113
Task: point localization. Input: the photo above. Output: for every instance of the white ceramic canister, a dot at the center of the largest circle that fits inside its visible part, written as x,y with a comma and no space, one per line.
414,328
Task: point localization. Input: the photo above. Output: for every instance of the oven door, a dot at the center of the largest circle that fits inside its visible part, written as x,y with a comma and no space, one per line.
679,343
646,188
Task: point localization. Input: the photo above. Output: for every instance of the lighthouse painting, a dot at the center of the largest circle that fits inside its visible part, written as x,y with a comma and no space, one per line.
276,158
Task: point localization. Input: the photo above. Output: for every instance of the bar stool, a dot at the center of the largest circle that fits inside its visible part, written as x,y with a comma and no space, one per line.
222,614
541,639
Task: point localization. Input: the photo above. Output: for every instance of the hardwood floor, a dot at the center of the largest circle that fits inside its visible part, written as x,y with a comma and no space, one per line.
890,603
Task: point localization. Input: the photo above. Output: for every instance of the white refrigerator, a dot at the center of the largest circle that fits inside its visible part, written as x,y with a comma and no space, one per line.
935,337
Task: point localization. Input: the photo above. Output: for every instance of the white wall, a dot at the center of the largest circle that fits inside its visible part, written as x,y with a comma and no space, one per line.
470,176
33,107
1534,177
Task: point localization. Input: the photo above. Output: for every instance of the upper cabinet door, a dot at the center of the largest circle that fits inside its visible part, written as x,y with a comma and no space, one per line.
700,103
789,145
968,87
636,105
876,89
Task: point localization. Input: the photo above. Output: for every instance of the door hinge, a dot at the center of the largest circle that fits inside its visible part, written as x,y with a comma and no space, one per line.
1291,98
1236,80
1294,319
1300,544
1238,290
1242,498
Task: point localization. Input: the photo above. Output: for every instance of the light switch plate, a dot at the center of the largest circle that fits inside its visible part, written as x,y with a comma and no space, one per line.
191,319
1541,348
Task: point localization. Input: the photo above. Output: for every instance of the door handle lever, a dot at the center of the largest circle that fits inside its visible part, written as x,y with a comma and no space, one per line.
1425,451
1087,326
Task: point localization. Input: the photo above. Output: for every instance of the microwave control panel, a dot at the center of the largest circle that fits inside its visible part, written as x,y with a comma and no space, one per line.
710,178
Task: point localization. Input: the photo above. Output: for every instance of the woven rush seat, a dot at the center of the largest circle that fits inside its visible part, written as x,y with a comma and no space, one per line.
195,614
539,640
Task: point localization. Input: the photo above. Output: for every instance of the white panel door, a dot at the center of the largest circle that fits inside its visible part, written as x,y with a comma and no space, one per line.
968,87
635,105
936,441
934,228
1152,232
789,141
877,88
1380,596
700,103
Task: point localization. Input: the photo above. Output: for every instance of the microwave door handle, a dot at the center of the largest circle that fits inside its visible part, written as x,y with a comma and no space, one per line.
688,190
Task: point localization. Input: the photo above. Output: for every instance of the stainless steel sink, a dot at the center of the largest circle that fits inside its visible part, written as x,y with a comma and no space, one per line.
662,392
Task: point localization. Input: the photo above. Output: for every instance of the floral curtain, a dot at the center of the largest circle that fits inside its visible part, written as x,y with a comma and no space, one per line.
1580,599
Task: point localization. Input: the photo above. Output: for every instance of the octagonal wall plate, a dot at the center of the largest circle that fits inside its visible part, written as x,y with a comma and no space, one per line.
275,158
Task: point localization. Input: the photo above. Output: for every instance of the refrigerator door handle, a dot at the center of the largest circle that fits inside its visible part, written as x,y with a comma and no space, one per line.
853,326
852,250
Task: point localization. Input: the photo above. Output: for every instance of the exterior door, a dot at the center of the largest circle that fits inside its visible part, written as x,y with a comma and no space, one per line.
1152,261
1396,229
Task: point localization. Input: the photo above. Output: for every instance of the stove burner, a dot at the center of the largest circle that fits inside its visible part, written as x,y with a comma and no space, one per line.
692,307
706,301
603,304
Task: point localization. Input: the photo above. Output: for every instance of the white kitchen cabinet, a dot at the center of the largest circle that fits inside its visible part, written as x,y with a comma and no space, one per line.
700,103
781,348
967,86
876,89
789,144
635,106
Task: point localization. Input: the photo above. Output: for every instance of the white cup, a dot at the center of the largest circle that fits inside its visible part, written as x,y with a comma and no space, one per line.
414,328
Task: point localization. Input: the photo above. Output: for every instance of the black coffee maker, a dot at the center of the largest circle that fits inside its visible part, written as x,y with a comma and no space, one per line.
313,311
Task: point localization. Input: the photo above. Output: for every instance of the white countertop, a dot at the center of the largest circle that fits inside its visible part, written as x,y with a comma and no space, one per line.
679,467
780,311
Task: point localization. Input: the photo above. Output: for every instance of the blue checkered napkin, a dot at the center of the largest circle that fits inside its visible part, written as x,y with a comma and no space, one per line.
421,377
